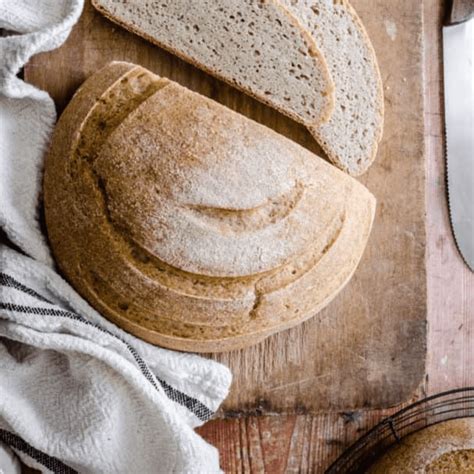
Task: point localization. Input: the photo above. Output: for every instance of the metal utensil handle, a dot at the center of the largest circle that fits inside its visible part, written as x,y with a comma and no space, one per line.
459,11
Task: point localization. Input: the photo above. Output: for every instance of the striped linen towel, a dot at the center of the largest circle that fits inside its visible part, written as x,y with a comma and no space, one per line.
77,394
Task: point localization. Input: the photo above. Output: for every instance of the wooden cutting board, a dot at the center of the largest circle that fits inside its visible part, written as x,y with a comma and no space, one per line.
368,347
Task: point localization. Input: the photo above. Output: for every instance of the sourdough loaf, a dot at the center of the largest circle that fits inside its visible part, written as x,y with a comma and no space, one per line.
351,136
190,225
256,46
444,448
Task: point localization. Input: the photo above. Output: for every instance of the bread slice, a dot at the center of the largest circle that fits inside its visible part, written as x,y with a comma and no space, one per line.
188,224
351,136
257,46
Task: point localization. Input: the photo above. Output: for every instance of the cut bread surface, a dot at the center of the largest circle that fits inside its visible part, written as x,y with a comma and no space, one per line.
352,134
256,46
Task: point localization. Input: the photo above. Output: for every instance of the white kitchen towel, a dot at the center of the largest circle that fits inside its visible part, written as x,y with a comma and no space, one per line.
77,394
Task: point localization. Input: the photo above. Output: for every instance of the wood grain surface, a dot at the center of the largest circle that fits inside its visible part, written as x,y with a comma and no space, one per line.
367,348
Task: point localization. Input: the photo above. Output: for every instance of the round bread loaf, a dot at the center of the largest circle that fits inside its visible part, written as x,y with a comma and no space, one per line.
446,448
190,225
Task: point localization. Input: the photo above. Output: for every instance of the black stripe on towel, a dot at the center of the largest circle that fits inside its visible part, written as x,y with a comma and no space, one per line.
19,444
7,280
192,404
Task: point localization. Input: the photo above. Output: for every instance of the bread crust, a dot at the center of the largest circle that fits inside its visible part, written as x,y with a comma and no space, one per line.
435,445
190,225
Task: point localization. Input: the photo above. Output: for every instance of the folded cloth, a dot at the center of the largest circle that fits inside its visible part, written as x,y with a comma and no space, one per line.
77,394
9,463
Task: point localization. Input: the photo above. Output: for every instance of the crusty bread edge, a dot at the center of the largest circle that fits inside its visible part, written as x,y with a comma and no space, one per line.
86,96
325,114
380,102
243,340
68,130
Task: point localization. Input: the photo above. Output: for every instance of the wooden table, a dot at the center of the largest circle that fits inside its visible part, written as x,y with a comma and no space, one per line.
309,443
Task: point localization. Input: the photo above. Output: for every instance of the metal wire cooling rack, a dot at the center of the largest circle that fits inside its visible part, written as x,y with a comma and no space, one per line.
421,414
